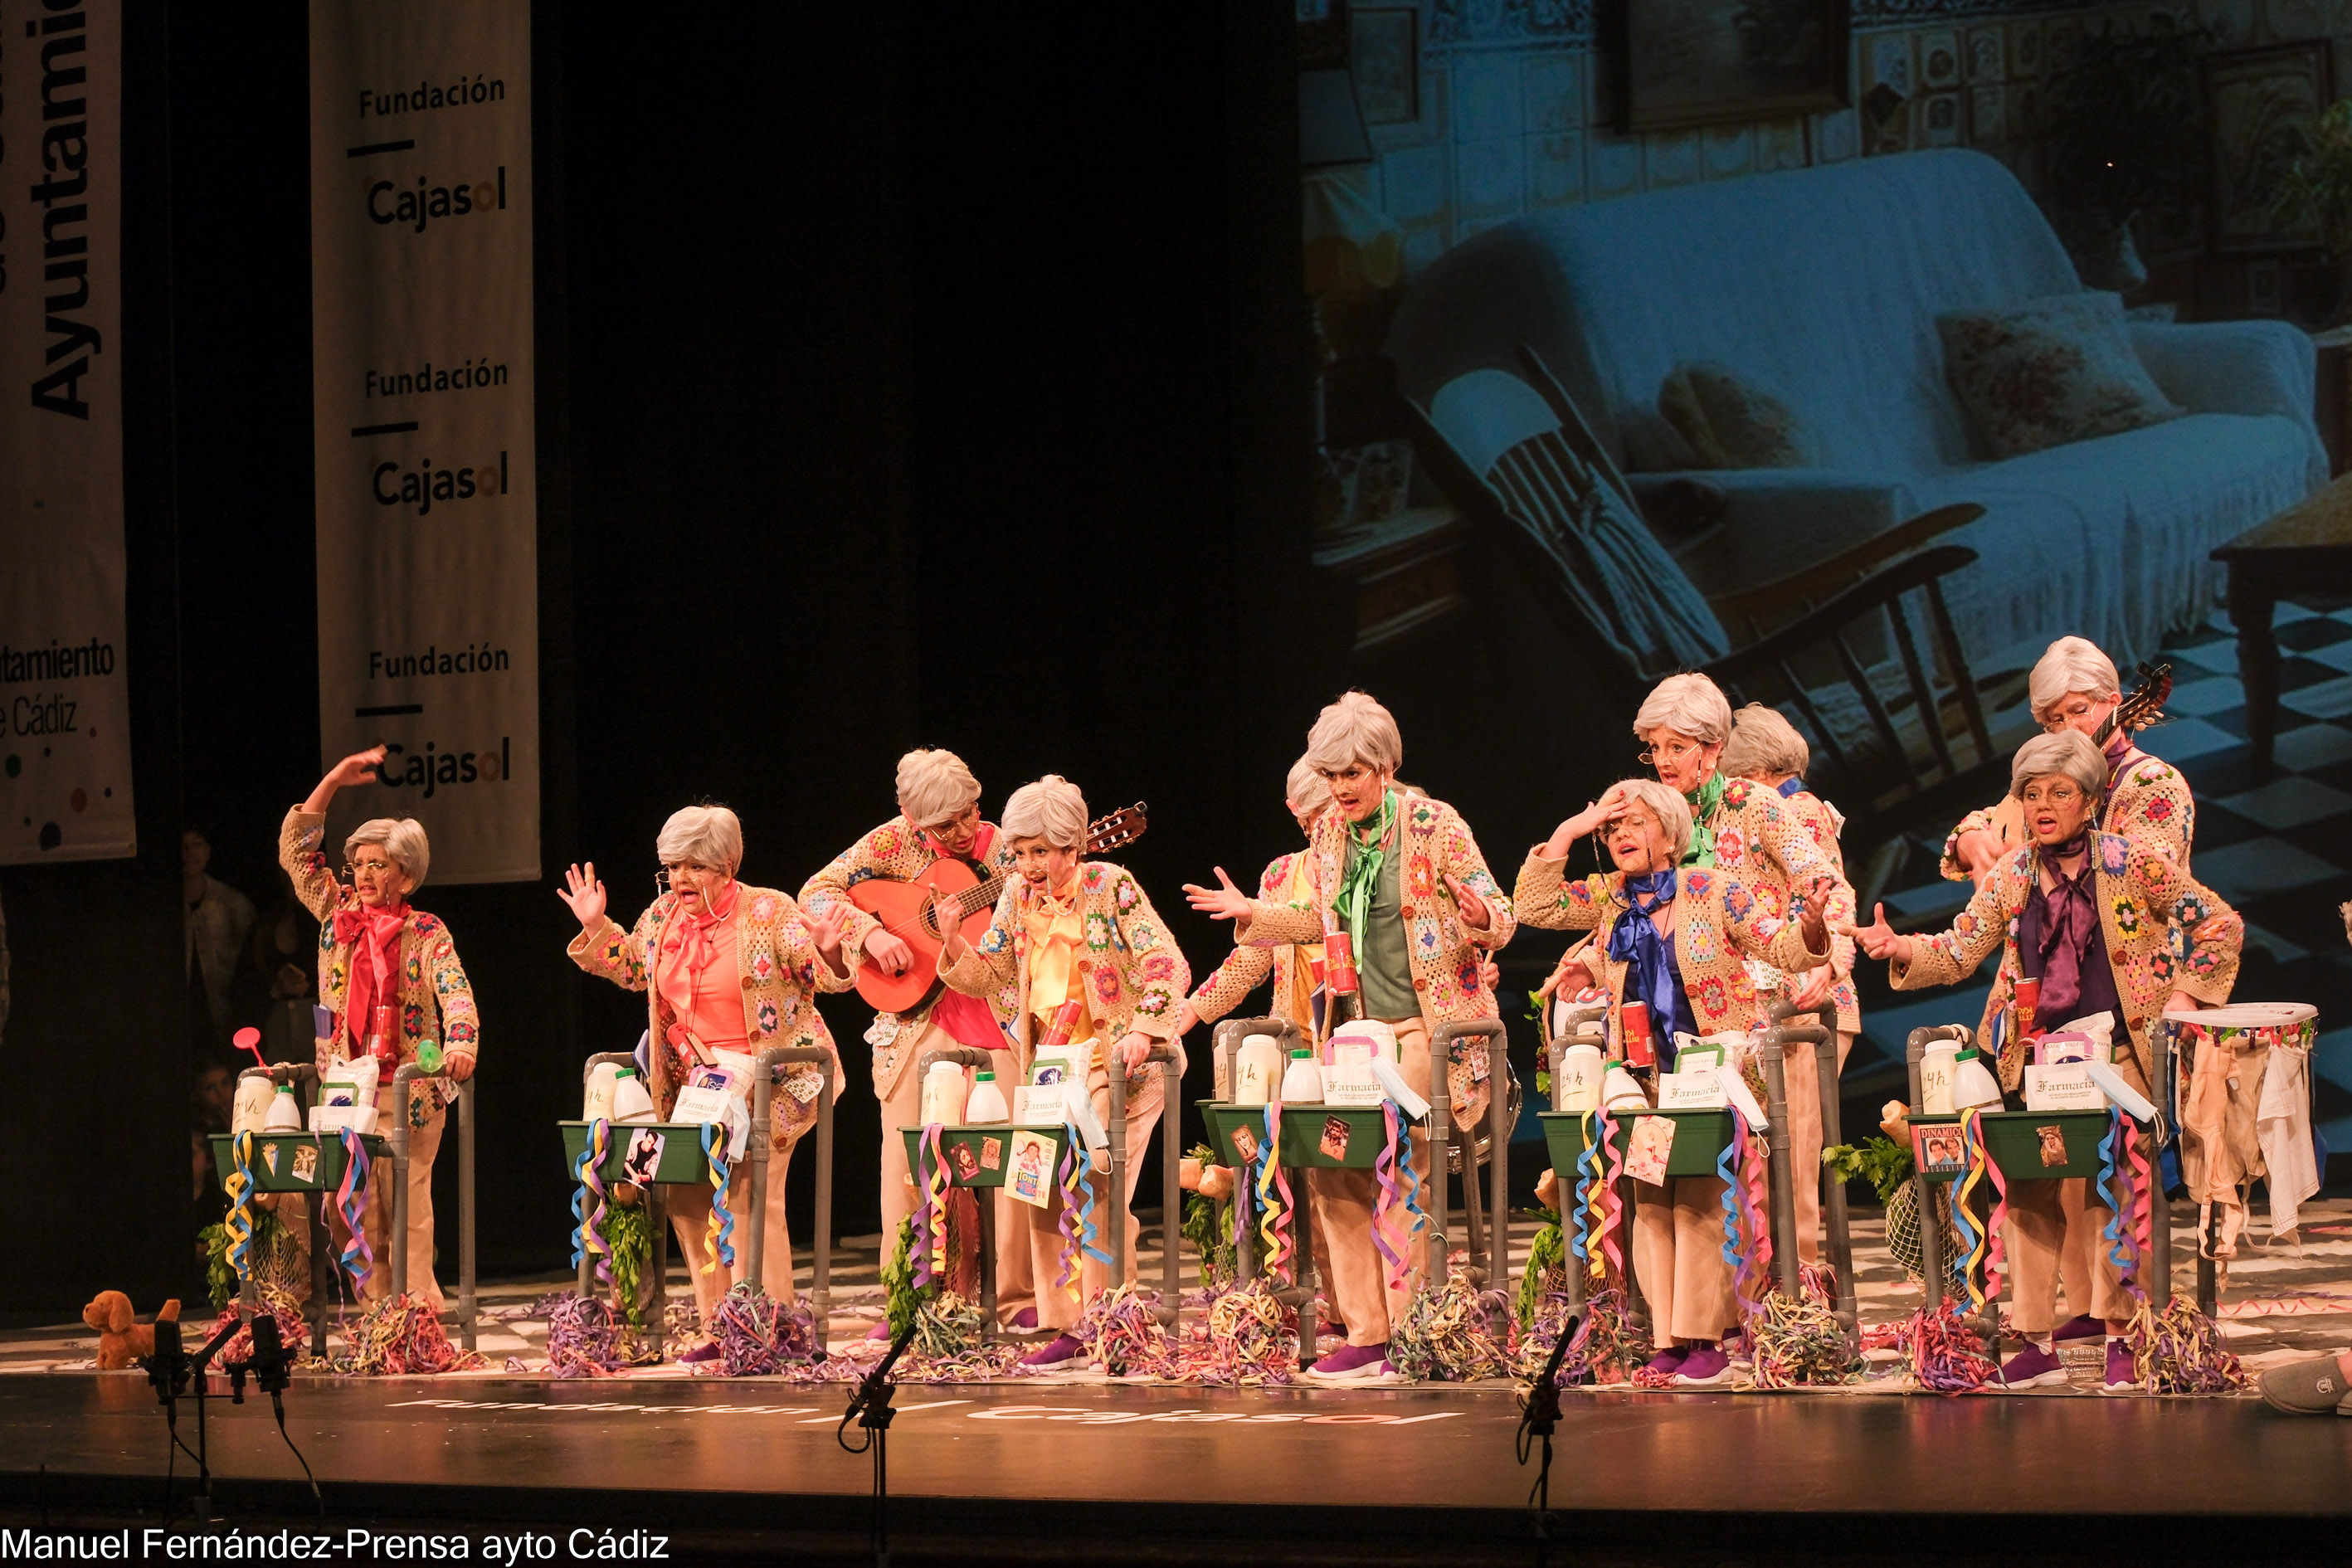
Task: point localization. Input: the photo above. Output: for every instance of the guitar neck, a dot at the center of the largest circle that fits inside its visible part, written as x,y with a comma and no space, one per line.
982,895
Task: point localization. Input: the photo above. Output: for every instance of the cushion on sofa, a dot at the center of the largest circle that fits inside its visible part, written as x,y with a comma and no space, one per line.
2049,372
1729,423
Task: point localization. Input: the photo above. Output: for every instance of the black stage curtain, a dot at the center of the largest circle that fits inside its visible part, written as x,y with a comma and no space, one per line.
912,375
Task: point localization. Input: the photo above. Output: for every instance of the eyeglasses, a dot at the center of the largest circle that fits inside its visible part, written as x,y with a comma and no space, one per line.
662,877
2059,791
1353,774
350,871
1672,751
2064,714
968,816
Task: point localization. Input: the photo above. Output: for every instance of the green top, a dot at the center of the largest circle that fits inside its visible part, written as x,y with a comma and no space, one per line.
1383,962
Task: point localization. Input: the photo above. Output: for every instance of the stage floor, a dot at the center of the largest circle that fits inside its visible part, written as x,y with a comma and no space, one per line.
1386,1475
2281,1303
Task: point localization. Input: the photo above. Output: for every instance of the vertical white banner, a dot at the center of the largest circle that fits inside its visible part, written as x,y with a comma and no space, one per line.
65,695
428,495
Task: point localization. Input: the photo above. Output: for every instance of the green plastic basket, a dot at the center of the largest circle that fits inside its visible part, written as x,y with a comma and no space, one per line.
680,1162
2015,1139
1700,1138
1564,1136
978,1156
294,1162
1309,1134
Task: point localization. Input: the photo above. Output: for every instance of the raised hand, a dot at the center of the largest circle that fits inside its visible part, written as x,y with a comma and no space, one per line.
1813,906
1878,939
825,931
584,894
1474,912
358,768
948,917
1223,902
1598,815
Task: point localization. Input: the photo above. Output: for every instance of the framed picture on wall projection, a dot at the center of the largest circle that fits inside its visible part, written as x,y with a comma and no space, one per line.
2264,106
1692,62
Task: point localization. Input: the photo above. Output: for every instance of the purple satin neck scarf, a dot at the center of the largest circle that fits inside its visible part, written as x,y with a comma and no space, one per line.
2070,918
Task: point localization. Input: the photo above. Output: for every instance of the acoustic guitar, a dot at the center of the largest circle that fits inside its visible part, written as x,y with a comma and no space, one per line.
907,910
2151,689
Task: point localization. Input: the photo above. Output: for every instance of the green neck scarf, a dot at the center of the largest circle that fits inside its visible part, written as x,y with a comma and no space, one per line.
1702,806
1354,903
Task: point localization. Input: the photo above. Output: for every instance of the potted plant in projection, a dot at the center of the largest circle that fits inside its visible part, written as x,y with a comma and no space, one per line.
2315,192
2124,141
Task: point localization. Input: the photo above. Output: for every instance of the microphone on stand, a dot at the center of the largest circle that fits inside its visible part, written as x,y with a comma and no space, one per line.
167,1367
272,1365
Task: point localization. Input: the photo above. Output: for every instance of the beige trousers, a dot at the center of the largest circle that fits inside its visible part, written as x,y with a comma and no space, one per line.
375,1218
2057,1229
1801,1073
1039,1229
1678,1260
903,1109
1342,1203
690,1218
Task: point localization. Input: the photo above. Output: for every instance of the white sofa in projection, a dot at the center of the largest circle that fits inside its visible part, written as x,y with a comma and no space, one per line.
1824,287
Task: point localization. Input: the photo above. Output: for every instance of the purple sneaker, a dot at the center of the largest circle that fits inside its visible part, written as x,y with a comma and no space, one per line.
2032,1367
2123,1370
707,1350
2085,1327
1669,1361
1353,1364
1704,1366
1060,1354
1026,1321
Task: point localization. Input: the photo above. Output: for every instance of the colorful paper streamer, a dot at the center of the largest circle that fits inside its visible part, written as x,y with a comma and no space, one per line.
350,1200
720,1233
239,1218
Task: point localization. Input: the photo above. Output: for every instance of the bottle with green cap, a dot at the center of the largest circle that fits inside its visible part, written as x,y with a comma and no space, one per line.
1973,1086
1302,1080
285,1115
630,1100
987,1103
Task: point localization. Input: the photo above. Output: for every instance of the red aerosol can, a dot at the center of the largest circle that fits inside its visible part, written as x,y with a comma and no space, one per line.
1641,1047
383,1035
1339,963
1066,1018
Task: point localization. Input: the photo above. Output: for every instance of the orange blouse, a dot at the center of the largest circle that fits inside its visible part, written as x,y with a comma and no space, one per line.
696,975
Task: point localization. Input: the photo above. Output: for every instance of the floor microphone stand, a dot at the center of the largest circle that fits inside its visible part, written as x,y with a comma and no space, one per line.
869,1407
1539,1421
200,1511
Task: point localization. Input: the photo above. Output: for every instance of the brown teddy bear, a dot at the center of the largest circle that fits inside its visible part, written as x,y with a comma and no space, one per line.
120,1341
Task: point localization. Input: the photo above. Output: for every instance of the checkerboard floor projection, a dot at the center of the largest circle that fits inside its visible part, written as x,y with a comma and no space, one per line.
2280,851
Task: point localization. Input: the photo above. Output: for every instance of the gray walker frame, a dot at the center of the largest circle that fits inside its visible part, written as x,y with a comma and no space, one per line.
2158,1269
296,1075
1838,1243
1171,1236
762,1139
468,1313
760,1150
1781,1216
1117,1155
1489,1242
